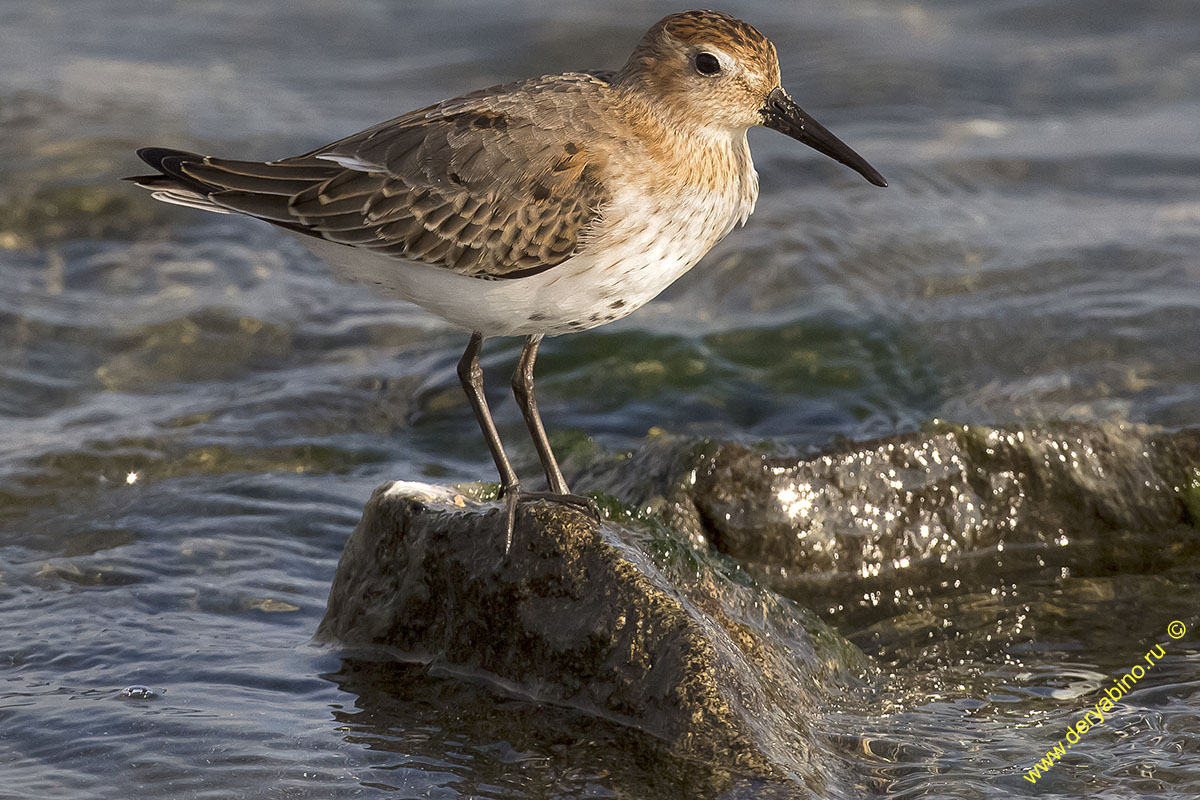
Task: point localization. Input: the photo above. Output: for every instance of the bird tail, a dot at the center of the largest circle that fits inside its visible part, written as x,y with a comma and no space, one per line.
170,184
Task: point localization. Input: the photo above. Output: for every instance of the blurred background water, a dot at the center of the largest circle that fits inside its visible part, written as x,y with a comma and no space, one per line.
193,411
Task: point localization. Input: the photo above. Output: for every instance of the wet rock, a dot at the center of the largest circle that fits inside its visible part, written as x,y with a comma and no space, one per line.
941,505
620,622
646,624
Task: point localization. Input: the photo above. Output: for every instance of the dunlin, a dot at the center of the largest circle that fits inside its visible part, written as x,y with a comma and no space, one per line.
536,208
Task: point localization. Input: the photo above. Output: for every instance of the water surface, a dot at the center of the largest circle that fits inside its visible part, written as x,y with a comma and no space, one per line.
194,411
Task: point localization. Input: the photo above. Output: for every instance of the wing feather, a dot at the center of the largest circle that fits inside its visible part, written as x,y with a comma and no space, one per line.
492,184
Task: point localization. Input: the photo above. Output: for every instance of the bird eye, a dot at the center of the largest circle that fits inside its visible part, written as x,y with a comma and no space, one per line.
707,64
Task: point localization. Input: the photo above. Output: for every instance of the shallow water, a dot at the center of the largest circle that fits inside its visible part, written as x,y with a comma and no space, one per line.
194,411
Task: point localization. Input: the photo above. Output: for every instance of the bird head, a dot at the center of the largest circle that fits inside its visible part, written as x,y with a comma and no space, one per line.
705,72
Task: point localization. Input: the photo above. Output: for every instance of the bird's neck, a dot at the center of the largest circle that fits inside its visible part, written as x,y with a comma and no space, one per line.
716,161
689,154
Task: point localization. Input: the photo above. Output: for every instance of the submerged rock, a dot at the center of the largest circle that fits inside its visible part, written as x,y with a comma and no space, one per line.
922,507
621,622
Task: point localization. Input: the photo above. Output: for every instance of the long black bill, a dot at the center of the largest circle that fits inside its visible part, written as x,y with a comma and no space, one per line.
782,114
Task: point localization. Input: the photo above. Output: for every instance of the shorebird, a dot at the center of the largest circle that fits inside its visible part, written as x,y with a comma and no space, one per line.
547,206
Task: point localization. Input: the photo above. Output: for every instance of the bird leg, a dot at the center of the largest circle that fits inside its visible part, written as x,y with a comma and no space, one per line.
522,384
470,374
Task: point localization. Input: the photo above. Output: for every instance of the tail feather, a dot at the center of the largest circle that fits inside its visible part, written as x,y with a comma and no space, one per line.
171,184
258,189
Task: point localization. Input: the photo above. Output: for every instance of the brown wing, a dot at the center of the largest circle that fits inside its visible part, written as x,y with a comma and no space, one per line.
498,183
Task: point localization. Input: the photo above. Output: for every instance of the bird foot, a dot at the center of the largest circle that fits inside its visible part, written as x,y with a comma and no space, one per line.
514,495
585,504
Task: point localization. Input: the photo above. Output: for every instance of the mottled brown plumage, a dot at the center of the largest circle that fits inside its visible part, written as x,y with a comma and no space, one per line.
485,184
509,181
